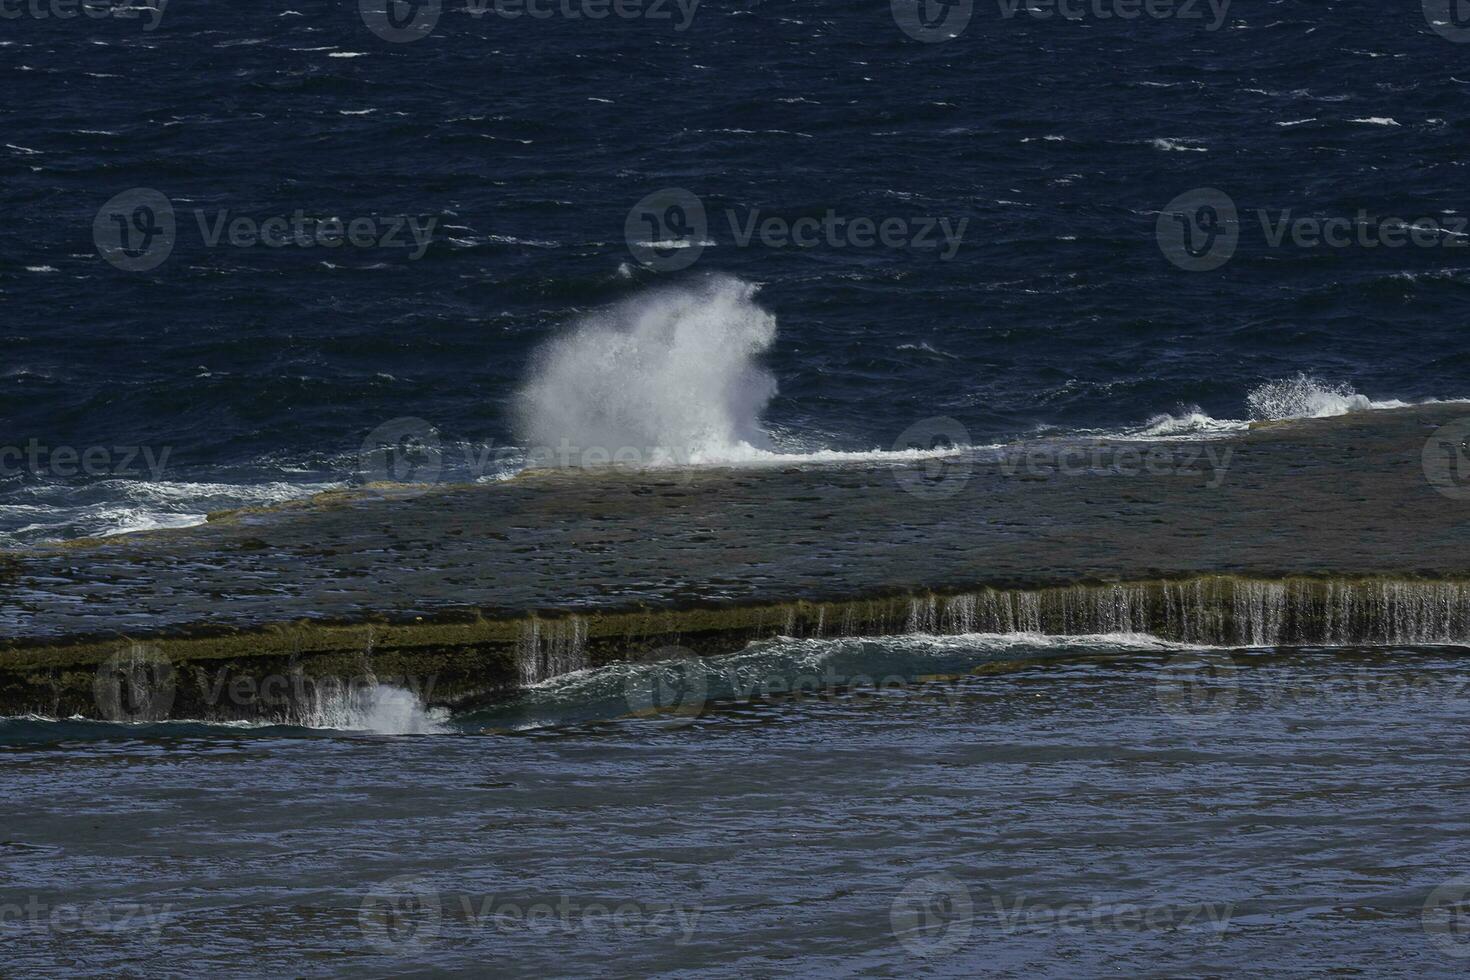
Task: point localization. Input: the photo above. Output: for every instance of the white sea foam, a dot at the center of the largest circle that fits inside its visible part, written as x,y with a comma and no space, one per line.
1301,396
379,708
1306,397
118,506
1177,145
676,370
671,377
1190,422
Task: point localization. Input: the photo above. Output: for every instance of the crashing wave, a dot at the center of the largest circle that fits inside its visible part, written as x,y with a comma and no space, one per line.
1307,397
672,377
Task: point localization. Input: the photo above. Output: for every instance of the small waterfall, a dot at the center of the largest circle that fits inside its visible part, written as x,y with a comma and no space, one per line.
1215,610
959,614
923,617
551,647
1028,612
1260,610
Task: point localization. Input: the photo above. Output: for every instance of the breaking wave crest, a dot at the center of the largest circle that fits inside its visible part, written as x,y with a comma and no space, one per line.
1307,397
671,377
1301,396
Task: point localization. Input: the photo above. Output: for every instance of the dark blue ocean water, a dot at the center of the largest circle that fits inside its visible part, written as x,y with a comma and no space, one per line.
1068,816
527,141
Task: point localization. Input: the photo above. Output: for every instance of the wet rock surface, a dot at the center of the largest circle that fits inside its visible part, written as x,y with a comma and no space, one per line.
1341,496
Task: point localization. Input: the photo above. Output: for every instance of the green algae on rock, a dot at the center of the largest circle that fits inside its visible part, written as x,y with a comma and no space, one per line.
1319,532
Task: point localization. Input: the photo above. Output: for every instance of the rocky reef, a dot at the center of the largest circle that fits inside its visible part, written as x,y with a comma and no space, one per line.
1325,532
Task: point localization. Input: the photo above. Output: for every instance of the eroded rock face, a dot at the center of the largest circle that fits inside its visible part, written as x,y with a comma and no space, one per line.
1314,532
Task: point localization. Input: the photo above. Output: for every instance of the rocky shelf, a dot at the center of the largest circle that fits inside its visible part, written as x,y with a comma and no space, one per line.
1350,529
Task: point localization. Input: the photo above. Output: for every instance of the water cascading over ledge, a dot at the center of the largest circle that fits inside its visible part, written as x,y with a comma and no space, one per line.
1217,611
469,661
1341,531
551,647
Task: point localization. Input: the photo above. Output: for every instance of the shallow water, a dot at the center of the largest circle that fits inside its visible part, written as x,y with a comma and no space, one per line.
1164,812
